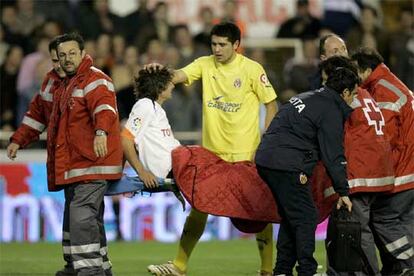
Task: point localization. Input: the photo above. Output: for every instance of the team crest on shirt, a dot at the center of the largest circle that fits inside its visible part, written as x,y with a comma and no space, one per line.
264,80
303,178
137,123
237,83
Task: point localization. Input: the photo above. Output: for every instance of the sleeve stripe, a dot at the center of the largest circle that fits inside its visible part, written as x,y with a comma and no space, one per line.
103,107
33,123
93,85
45,94
127,134
389,105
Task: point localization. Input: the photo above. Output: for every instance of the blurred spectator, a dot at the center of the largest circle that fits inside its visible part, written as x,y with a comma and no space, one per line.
172,57
134,22
65,12
8,82
341,15
159,27
185,45
103,57
203,37
259,55
27,19
118,48
368,34
230,14
98,20
302,25
154,52
123,78
48,29
4,46
51,29
402,48
90,48
298,73
27,79
324,31
184,108
9,24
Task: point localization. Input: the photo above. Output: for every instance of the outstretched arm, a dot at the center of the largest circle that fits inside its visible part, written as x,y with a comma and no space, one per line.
178,77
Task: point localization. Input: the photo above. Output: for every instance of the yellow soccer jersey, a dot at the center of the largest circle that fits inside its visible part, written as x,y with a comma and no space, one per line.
232,94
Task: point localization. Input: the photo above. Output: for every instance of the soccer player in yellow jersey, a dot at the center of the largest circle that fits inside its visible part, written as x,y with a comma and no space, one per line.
234,86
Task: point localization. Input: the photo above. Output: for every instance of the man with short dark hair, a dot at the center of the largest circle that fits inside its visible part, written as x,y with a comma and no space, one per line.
84,151
234,86
308,128
396,102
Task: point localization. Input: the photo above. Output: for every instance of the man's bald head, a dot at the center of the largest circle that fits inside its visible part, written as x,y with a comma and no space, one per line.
332,45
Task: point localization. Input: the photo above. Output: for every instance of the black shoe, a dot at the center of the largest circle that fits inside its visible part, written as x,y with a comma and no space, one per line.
66,271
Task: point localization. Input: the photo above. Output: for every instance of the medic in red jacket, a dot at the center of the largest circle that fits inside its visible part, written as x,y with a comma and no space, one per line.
367,151
72,115
396,102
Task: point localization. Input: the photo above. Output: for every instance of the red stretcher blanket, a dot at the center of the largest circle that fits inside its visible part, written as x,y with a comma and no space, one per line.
235,190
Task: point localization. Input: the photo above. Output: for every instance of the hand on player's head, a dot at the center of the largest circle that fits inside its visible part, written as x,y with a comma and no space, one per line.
152,67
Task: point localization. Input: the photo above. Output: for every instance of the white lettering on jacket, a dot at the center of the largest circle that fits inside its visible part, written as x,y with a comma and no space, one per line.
297,103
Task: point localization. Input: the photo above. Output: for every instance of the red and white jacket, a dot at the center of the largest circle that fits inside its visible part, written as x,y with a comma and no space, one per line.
367,151
396,102
72,109
37,117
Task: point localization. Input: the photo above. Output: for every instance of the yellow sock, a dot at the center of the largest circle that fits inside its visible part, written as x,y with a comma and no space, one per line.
265,244
193,229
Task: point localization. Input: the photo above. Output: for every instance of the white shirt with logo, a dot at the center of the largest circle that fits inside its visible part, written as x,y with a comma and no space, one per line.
153,137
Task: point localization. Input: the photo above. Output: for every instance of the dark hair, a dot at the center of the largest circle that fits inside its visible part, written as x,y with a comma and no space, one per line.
342,79
72,37
331,64
53,44
227,29
150,84
367,58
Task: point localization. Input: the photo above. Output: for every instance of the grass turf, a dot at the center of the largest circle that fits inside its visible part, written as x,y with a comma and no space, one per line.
227,258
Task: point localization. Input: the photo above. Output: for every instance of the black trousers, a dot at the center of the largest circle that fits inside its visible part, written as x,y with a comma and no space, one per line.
296,238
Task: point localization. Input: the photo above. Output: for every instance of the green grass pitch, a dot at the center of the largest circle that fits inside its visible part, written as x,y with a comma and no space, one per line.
214,258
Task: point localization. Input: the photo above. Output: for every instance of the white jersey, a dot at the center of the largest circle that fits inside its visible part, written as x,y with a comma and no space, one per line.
153,137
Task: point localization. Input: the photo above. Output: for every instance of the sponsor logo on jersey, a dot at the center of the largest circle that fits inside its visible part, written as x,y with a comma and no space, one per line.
223,106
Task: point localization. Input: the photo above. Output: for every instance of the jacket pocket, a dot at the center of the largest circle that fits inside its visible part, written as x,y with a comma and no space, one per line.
84,146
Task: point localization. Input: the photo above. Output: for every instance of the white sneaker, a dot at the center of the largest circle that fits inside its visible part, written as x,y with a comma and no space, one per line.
168,269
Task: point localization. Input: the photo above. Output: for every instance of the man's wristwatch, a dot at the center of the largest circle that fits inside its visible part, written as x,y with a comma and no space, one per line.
100,132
